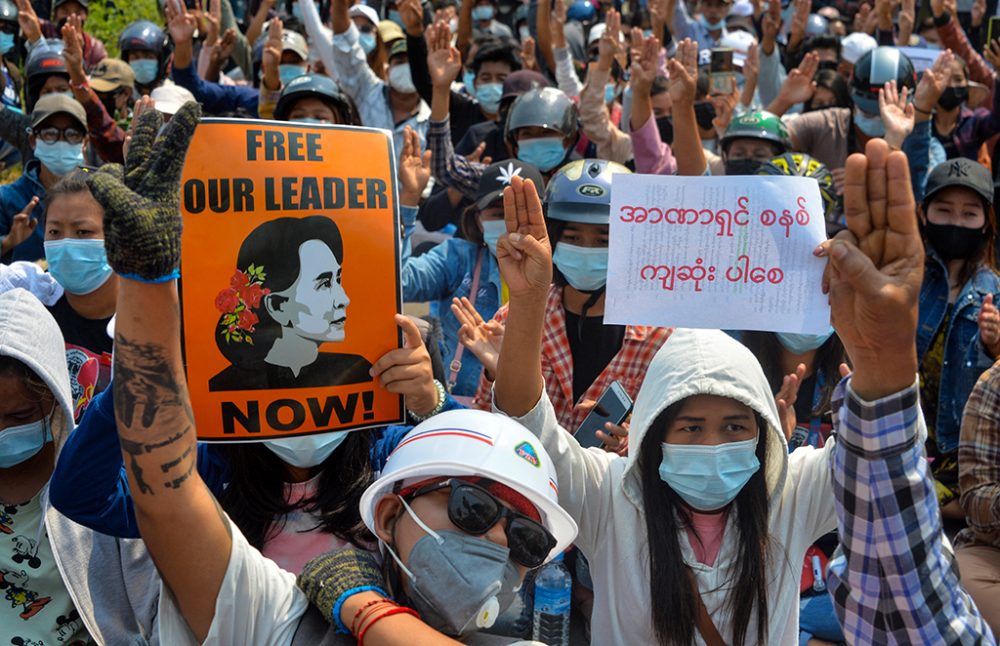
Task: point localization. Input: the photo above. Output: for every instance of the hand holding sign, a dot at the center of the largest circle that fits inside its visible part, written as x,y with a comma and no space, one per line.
875,270
524,253
407,371
142,223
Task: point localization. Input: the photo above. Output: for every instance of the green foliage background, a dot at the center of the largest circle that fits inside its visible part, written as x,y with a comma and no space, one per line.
107,18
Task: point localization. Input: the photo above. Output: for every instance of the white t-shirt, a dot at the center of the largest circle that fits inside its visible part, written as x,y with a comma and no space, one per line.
258,603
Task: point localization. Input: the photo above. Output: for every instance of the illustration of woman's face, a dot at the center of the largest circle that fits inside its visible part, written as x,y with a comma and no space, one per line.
317,303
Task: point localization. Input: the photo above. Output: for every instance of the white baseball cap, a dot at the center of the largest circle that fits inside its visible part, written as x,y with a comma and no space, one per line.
364,11
855,45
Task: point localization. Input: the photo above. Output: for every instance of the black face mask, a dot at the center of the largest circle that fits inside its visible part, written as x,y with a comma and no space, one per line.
666,127
704,114
952,242
742,166
828,65
953,97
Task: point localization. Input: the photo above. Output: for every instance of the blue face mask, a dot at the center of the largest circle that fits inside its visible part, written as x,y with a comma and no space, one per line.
145,70
802,343
711,26
869,124
469,81
395,17
60,157
20,443
6,43
484,12
307,120
492,230
709,477
584,268
489,96
367,42
80,266
610,92
289,73
544,152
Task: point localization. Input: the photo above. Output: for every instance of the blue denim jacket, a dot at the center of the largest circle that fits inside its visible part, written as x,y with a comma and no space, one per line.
964,356
443,273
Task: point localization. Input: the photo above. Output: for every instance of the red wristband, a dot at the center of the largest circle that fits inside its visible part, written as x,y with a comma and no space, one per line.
373,602
388,613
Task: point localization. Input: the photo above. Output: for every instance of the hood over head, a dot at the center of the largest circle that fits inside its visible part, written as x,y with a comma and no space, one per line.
29,334
705,362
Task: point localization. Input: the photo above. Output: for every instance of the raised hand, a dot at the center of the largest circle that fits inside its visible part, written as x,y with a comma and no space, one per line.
31,26
989,326
212,21
863,19
992,52
444,62
907,18
897,114
524,253
414,169
683,70
21,227
142,221
72,36
978,12
645,62
615,438
769,25
787,396
528,54
875,270
225,47
799,85
477,155
932,83
482,338
407,371
610,45
799,20
413,16
271,59
181,23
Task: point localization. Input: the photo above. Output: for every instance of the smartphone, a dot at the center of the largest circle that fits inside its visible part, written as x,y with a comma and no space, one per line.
613,406
723,70
993,30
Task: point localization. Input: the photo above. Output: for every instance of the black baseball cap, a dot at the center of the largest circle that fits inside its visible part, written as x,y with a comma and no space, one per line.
497,177
960,172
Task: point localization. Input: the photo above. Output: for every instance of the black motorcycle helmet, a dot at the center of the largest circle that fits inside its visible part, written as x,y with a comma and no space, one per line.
321,87
8,11
876,68
146,36
40,66
545,107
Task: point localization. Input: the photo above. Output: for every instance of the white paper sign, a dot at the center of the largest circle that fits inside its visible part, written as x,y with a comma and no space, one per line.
733,253
923,58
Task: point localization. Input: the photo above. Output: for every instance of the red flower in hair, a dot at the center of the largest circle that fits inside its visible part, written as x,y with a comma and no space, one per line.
227,300
247,320
237,303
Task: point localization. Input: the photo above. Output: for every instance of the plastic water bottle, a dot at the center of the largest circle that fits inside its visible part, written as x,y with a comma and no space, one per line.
553,589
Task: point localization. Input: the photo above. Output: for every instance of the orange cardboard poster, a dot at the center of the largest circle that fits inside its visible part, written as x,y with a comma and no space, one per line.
289,278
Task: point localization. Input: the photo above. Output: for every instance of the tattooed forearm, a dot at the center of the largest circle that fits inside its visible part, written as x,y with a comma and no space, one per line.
144,382
137,476
178,481
167,466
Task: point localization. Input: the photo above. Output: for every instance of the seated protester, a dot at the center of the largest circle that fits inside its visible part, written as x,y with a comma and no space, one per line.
58,135
960,130
600,112
314,98
74,250
482,15
459,267
391,104
490,67
413,522
977,548
491,133
370,35
709,485
216,99
956,299
582,355
35,29
691,114
106,136
64,584
146,48
44,73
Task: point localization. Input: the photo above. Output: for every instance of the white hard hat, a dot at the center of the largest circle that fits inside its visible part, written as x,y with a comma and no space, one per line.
740,42
480,444
855,45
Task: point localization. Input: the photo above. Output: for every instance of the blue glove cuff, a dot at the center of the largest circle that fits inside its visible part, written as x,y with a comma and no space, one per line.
173,275
337,623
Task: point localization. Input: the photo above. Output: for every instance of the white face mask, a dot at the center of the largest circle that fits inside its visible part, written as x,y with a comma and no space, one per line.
307,450
400,79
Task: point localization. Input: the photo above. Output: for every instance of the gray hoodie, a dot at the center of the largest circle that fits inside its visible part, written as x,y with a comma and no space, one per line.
113,582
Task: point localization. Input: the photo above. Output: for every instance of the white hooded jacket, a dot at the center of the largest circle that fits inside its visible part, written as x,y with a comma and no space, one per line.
603,493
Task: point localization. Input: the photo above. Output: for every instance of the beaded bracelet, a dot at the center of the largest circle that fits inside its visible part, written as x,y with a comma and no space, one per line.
394,611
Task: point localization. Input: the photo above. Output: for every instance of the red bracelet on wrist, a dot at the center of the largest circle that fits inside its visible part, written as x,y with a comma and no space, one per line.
355,624
388,613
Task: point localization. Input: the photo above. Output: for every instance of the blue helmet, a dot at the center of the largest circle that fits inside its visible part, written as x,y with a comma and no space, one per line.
581,10
580,191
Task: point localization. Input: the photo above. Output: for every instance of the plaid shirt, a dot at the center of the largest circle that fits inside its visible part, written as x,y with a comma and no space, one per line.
979,462
628,366
450,169
895,581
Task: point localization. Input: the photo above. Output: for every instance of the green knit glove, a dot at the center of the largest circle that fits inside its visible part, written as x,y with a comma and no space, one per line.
142,220
328,580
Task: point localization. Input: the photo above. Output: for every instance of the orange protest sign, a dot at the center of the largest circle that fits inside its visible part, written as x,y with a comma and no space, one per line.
289,277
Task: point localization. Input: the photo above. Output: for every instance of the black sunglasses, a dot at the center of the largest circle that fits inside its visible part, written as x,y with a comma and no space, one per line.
475,510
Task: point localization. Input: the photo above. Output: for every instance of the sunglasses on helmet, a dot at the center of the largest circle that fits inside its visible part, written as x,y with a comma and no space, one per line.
475,510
